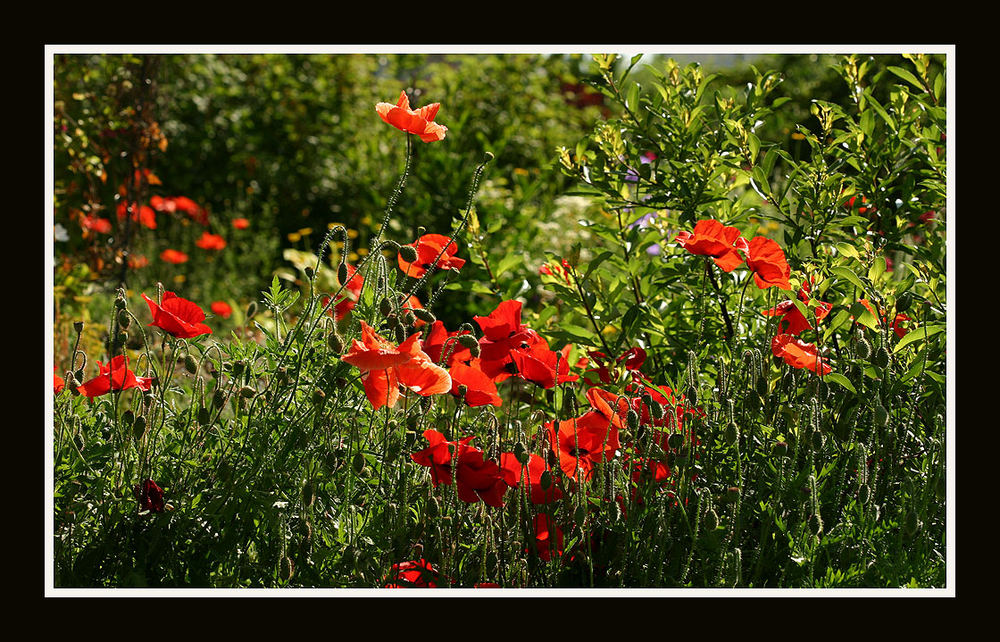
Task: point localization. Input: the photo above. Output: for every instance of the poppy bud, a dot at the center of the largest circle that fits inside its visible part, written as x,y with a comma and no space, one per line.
780,449
545,481
762,387
426,403
358,463
676,441
881,358
308,493
342,273
421,230
119,304
903,302
816,524
128,417
433,507
864,493
204,416
732,433
462,391
474,351
409,318
385,306
318,396
732,493
881,416
218,398
139,427
711,520
864,348
580,515
190,364
335,342
425,315
286,568
124,320
408,253
468,340
251,310
632,418
655,408
121,338
246,392
309,272
520,454
78,326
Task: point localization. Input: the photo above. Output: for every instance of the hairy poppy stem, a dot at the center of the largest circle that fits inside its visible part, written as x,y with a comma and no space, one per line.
396,192
722,302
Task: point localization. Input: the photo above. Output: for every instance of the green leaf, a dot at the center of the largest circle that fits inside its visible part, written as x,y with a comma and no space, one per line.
769,159
847,250
876,270
754,144
919,334
863,316
507,263
601,258
907,76
842,380
849,275
881,112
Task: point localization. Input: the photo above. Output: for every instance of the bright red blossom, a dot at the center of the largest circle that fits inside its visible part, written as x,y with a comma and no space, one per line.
582,442
712,238
419,122
150,496
766,260
412,574
241,223
210,241
177,316
94,224
173,256
115,375
548,537
144,214
221,308
432,250
793,321
799,354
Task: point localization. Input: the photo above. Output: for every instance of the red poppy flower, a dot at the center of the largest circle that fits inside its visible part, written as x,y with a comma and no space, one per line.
582,442
438,456
548,537
150,496
351,293
173,256
419,122
384,367
537,363
897,324
502,333
210,241
711,238
183,204
241,223
535,468
99,225
480,388
412,574
767,261
477,478
793,321
177,316
413,303
441,343
221,308
144,214
58,382
115,375
799,354
431,248
486,585
136,261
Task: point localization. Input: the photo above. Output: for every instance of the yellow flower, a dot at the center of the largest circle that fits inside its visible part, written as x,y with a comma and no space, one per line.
306,231
180,278
330,226
352,234
520,171
352,257
362,251
294,237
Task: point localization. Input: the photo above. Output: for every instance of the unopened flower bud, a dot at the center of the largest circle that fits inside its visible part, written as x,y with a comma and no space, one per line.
318,396
218,398
335,342
632,418
124,319
711,520
128,417
251,310
675,441
190,364
881,416
342,273
408,253
119,304
732,493
78,326
468,340
545,481
881,357
864,348
780,449
520,453
246,392
204,416
425,315
309,272
903,302
385,306
139,427
358,463
864,493
732,433
421,230
409,318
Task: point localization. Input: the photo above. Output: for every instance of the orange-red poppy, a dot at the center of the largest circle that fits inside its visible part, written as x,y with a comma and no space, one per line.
712,238
419,121
793,321
584,441
480,388
767,261
173,256
177,316
209,241
95,224
384,367
114,375
221,308
432,250
799,354
143,214
241,223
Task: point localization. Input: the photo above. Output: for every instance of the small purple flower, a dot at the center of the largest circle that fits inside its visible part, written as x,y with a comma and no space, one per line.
653,250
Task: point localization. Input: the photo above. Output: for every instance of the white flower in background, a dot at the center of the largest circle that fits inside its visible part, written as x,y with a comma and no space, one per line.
60,233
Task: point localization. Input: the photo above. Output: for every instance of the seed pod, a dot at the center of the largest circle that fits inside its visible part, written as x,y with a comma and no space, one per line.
78,326
424,315
124,319
190,364
881,416
881,358
462,391
408,253
676,441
